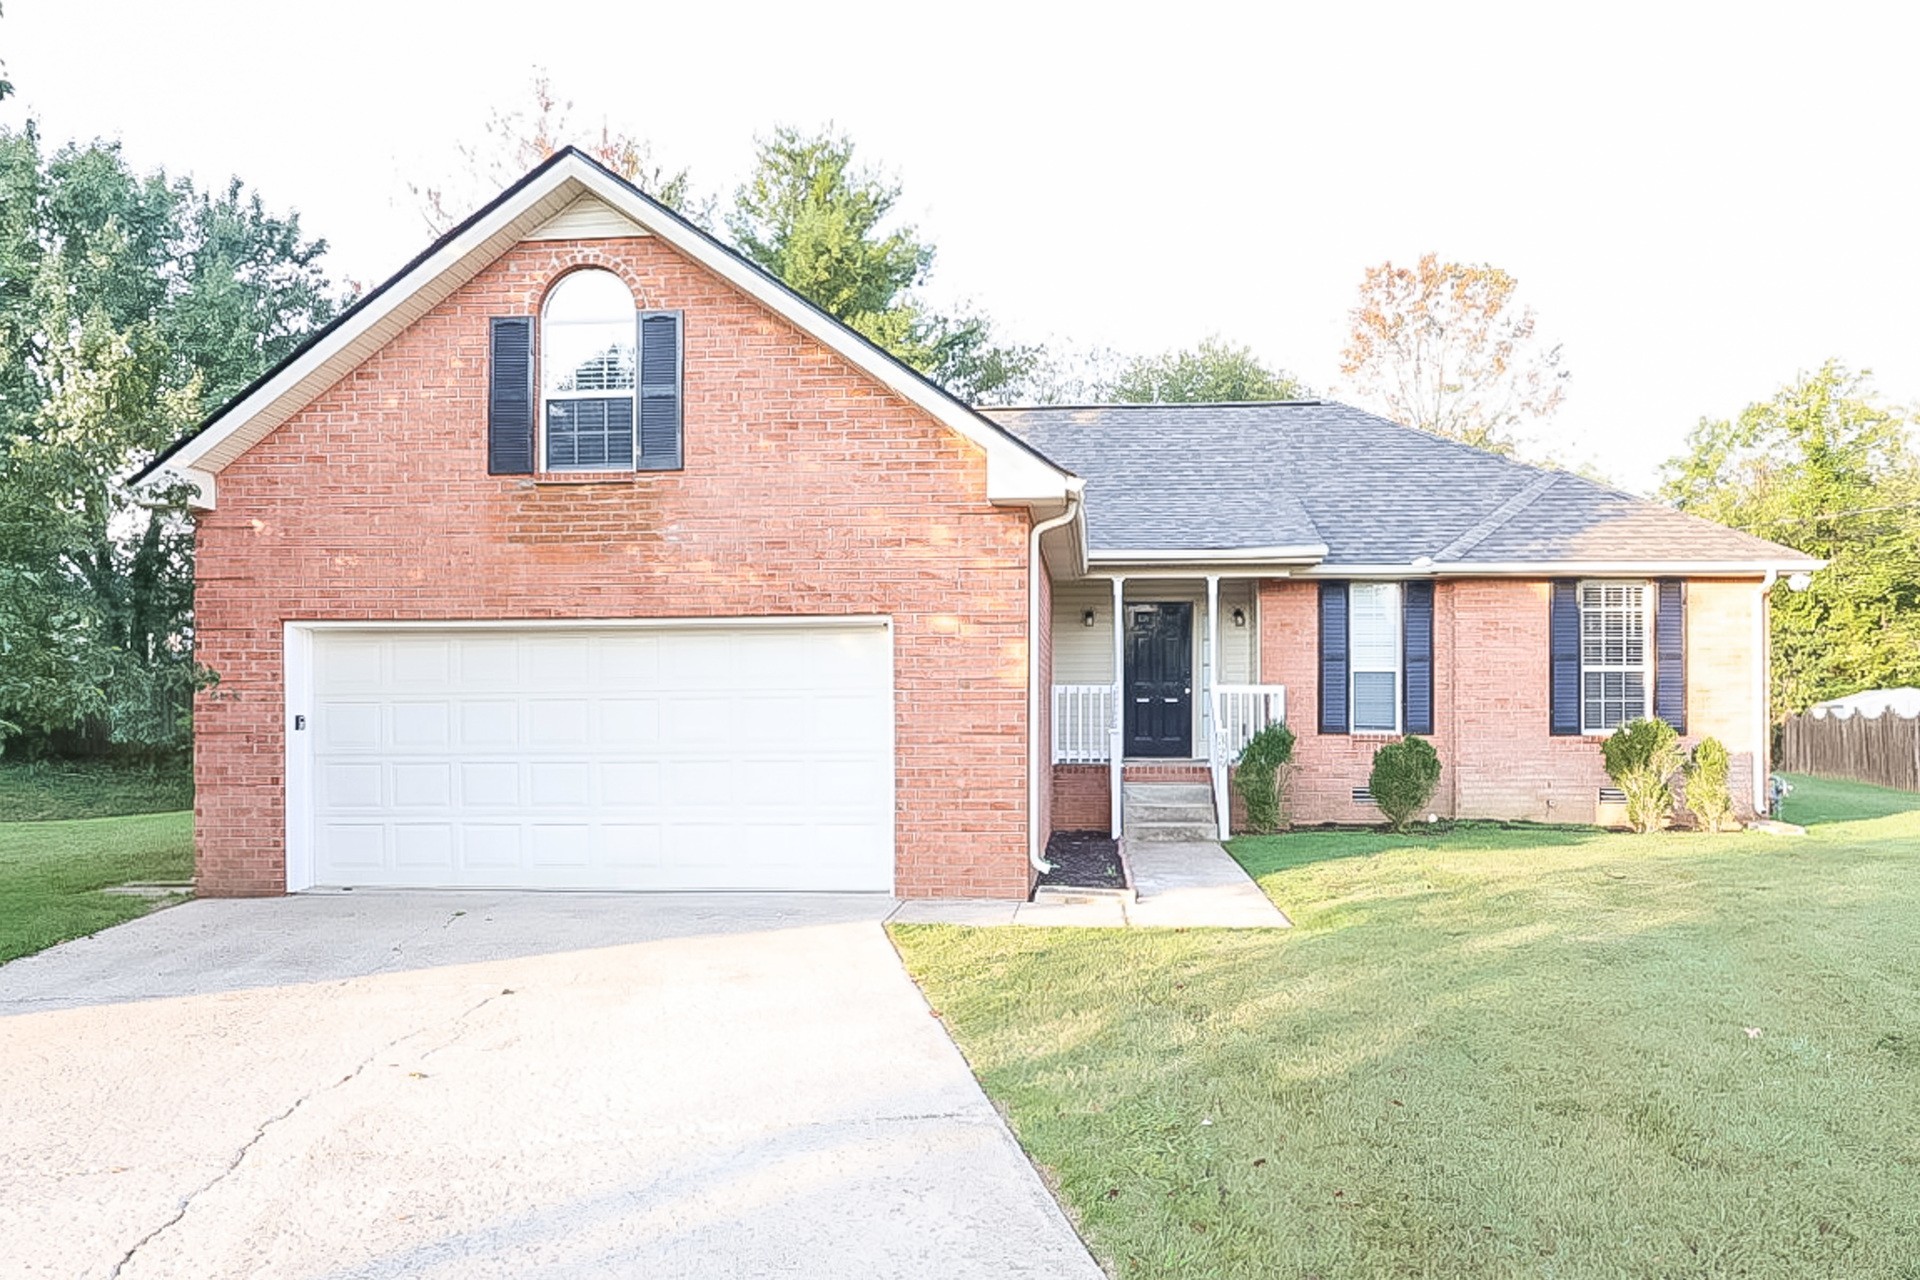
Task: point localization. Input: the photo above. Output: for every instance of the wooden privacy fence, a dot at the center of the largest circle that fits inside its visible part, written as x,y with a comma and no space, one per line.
1882,749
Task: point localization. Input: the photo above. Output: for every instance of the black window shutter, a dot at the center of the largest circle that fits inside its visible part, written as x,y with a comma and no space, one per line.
1563,632
1416,623
1333,657
1670,654
510,396
660,395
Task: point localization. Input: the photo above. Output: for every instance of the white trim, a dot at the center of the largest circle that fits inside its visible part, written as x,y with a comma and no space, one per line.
1225,555
1762,697
1016,475
1397,623
1117,731
1038,752
297,682
1648,622
296,675
1564,568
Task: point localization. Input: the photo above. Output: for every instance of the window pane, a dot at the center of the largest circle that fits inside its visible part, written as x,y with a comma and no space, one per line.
590,434
1376,701
1375,622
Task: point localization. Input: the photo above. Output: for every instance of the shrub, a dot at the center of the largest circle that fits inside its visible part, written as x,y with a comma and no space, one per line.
1707,793
1642,757
1257,778
1404,776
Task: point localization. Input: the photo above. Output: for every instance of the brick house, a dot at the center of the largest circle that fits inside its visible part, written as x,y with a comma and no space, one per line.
583,554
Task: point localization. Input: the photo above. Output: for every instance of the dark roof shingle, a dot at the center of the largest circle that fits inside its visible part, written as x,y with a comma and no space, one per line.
1303,474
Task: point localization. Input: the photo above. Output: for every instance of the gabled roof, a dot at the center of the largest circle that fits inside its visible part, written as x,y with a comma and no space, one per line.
1237,481
553,193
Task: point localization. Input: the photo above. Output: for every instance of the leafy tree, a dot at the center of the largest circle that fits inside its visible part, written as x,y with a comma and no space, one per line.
129,306
512,142
808,215
1826,467
1442,346
1216,372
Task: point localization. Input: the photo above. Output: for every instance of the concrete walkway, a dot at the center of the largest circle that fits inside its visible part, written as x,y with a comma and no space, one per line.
514,1085
1183,885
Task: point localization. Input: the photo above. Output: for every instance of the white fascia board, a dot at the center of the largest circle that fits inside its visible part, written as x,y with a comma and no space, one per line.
1569,568
1016,475
1303,554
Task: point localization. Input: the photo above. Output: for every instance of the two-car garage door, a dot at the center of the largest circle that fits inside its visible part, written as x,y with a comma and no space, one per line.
719,756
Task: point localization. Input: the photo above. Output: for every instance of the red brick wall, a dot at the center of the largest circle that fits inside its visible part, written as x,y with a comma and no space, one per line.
1490,702
1082,800
808,489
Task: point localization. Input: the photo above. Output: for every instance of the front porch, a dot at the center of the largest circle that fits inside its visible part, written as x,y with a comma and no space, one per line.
1155,682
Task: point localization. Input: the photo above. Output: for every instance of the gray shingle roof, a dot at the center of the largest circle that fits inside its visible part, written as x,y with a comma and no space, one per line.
1301,474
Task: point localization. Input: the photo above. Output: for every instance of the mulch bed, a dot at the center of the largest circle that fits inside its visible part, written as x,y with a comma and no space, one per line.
1084,860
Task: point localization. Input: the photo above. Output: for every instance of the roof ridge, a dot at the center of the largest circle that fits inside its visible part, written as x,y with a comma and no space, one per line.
1500,515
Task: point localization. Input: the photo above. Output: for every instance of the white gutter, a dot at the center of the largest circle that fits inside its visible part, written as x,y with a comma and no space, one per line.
1565,568
1762,725
1038,752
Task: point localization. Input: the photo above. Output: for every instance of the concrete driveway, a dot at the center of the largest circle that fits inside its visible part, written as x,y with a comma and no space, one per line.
440,1084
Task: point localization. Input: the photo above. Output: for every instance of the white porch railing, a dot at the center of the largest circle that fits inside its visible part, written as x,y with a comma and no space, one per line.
1242,710
1239,712
1082,723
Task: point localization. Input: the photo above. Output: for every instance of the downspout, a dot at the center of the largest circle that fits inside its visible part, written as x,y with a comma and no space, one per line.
1037,751
1762,722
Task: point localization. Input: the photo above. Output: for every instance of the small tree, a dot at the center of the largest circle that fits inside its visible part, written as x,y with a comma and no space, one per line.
1404,776
1707,793
1258,775
1642,757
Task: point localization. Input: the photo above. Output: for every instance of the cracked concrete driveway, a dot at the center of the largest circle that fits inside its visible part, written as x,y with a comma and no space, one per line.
529,1085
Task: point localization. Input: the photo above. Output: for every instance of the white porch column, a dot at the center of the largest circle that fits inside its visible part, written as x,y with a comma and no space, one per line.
1116,727
1216,762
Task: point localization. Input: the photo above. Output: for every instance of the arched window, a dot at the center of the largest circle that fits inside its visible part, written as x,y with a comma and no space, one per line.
588,373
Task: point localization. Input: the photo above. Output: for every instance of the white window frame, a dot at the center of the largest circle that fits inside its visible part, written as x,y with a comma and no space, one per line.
1644,667
546,381
1396,598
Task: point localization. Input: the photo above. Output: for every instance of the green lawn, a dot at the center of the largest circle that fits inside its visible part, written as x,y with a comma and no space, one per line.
48,790
1492,1052
51,874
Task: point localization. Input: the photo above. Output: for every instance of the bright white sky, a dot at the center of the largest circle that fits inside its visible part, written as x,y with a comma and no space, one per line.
1698,200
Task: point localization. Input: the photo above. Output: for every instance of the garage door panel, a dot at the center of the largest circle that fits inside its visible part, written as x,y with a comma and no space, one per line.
714,757
419,724
559,722
629,722
348,726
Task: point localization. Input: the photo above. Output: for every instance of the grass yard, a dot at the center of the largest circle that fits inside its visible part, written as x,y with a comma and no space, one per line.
1490,1052
51,874
49,790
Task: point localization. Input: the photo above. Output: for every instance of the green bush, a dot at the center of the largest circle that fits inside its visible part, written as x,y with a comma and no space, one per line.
1642,757
1404,776
1257,778
1707,793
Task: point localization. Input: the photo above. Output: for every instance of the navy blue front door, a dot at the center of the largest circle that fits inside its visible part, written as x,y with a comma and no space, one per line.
1159,684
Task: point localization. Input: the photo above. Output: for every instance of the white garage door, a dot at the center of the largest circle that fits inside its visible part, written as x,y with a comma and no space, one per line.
703,757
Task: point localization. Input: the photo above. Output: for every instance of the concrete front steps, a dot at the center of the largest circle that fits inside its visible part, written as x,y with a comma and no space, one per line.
1162,812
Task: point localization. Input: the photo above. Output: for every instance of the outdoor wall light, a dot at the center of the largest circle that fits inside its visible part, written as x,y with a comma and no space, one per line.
1239,617
1086,619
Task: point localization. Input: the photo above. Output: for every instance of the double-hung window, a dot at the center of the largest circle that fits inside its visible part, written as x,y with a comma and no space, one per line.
1614,654
588,374
1375,659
